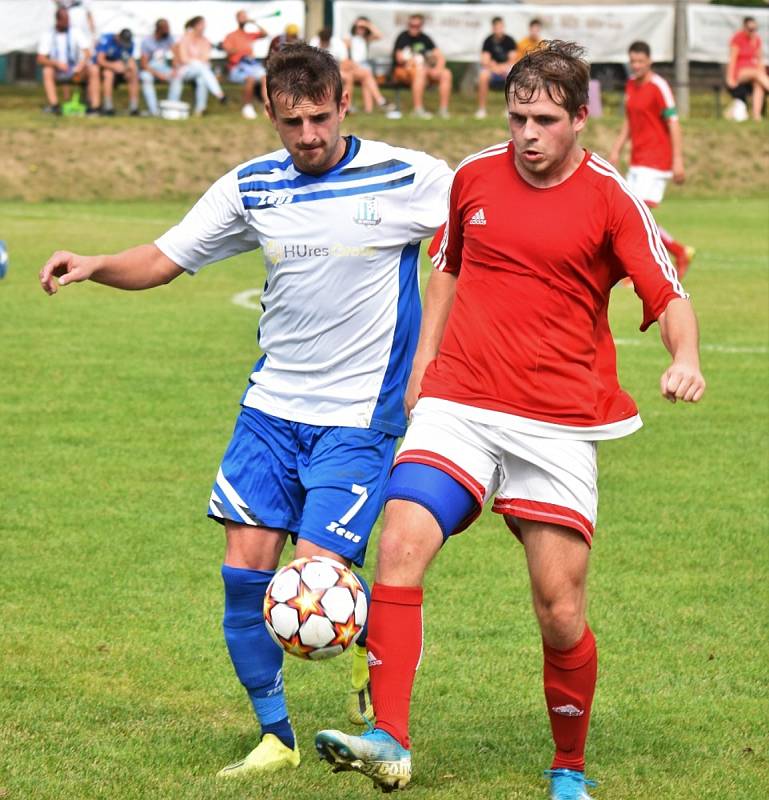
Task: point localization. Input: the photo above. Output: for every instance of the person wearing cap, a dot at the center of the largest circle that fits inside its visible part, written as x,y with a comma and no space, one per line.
115,59
291,36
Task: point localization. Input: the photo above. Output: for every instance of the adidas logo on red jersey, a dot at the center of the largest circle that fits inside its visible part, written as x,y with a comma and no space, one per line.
479,218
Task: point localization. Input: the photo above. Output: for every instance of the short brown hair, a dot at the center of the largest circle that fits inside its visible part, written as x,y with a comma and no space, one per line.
555,67
301,72
640,47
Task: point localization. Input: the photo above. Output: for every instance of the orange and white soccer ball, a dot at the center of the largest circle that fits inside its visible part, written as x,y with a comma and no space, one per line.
315,608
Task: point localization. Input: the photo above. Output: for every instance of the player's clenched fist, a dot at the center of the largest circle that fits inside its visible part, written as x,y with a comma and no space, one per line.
67,268
682,382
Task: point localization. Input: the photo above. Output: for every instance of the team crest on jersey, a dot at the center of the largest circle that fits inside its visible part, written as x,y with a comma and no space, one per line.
367,211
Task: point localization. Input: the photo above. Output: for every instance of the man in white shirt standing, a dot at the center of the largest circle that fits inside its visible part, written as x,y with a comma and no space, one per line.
339,221
64,54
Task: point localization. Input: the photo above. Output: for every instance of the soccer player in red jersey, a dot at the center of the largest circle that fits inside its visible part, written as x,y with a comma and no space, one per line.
516,377
656,149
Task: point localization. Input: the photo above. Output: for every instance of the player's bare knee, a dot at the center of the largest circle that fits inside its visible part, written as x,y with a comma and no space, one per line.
561,619
410,539
251,547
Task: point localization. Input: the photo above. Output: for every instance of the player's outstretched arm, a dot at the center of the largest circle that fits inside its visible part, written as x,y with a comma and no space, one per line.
139,267
682,380
439,297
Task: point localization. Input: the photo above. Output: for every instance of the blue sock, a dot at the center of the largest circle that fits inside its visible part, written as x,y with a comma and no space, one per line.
361,640
258,661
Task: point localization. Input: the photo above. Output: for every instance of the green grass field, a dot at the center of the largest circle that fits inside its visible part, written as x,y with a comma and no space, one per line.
114,679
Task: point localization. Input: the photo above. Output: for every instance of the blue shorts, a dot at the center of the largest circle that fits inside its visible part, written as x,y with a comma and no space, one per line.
323,484
245,69
497,81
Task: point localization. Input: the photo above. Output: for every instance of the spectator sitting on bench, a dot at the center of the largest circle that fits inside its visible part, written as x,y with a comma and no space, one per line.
243,66
156,63
290,36
746,70
193,61
498,54
116,63
65,57
417,62
362,32
80,17
533,40
351,72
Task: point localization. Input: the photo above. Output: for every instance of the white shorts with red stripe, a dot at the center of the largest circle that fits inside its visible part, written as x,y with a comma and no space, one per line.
648,183
549,480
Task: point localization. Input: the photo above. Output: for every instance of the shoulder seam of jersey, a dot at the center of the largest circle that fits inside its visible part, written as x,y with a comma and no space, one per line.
493,150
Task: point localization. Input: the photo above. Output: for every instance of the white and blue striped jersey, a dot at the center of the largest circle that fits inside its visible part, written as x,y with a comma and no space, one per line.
341,300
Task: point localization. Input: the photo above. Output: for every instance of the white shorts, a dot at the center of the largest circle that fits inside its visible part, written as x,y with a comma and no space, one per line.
649,184
533,477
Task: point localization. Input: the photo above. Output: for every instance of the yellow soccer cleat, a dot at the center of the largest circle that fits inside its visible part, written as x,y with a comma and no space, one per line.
269,755
360,709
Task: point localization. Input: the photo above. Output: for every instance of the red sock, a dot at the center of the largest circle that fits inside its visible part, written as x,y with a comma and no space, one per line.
676,248
394,645
569,687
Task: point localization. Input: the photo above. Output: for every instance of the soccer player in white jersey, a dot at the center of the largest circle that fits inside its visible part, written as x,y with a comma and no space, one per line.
514,398
339,221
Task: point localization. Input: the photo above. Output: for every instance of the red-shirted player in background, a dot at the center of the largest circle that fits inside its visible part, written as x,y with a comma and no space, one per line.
656,149
516,376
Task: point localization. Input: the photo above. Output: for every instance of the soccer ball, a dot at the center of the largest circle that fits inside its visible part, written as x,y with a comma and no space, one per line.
315,608
738,111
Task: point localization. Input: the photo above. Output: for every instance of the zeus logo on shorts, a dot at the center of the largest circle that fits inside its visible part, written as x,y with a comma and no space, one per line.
339,527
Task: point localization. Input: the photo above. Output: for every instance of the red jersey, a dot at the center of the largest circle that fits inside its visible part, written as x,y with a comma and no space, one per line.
528,332
649,106
748,50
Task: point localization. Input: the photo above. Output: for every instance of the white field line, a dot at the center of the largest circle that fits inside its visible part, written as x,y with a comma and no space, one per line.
250,299
711,348
68,216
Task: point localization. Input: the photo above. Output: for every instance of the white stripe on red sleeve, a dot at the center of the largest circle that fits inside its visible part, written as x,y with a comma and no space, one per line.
656,247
